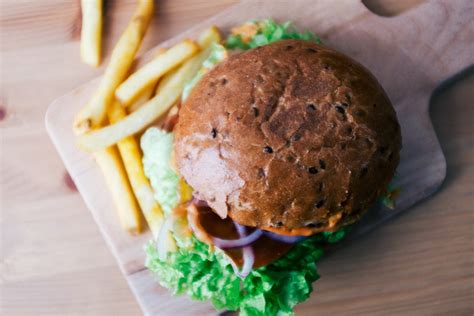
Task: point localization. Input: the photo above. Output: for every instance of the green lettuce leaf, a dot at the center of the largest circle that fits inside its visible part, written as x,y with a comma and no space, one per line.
207,275
268,31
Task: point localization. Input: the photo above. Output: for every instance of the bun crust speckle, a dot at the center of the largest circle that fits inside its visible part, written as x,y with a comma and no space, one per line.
292,137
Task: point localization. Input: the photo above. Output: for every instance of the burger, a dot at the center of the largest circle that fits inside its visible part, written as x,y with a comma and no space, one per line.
280,145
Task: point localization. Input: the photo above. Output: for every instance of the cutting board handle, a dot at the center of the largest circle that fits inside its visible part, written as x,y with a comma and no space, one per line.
438,36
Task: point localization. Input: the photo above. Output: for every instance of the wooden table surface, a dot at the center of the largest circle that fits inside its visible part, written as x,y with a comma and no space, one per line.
53,259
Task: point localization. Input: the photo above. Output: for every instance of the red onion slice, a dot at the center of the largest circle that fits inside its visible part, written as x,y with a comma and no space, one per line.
283,238
237,243
240,229
249,259
247,254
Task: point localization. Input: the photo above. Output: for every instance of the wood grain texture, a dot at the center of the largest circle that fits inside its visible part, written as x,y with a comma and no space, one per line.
54,261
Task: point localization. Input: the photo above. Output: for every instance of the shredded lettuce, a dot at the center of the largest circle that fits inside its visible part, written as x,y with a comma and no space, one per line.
157,146
258,33
271,290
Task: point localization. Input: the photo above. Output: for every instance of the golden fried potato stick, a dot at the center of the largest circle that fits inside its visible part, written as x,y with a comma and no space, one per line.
209,36
116,179
91,32
143,98
94,113
148,92
144,77
205,40
170,89
132,160
168,92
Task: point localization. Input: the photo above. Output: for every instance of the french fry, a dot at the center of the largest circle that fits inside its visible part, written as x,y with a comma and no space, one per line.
170,89
143,98
168,92
209,36
205,40
151,72
132,160
148,92
91,31
176,80
94,113
111,165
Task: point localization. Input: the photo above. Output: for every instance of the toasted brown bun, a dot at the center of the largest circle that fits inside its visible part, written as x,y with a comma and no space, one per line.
292,137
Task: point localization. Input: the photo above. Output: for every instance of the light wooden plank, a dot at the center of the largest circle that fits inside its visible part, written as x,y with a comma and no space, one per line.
55,262
407,78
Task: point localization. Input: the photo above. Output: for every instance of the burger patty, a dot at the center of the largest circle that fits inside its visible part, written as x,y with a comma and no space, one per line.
292,137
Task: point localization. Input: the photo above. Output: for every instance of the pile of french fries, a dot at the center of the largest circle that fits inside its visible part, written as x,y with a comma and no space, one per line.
124,105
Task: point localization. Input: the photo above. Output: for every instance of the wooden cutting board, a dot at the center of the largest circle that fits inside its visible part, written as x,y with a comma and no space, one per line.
410,54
